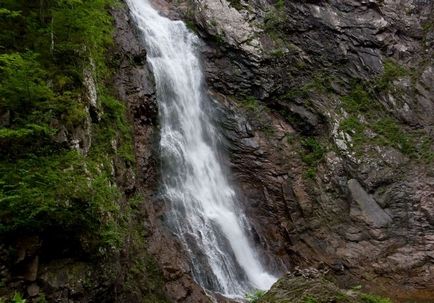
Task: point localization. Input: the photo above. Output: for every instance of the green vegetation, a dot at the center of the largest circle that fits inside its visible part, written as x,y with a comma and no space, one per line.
255,110
392,135
318,290
313,154
191,25
65,190
359,100
45,186
309,299
18,298
354,127
280,5
319,83
365,113
252,104
255,296
340,297
236,4
143,270
392,71
275,21
368,298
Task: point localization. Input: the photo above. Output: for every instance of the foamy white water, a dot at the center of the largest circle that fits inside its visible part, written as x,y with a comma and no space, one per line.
204,212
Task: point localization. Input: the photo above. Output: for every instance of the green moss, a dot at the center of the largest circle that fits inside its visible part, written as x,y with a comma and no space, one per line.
255,296
251,103
280,5
359,100
392,134
236,4
144,280
277,53
256,110
44,186
310,172
360,103
65,191
355,129
191,25
313,153
425,151
392,71
318,84
352,125
310,299
274,25
318,290
368,298
18,298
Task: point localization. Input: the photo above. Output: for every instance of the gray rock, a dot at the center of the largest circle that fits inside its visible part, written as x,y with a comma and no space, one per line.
366,207
33,290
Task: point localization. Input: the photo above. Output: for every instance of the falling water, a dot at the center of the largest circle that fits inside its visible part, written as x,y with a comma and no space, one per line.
204,207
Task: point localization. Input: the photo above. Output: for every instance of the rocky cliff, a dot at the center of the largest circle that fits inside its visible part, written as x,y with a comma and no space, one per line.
327,111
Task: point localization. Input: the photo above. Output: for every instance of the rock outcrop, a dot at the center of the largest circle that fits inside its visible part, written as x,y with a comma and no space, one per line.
310,285
327,110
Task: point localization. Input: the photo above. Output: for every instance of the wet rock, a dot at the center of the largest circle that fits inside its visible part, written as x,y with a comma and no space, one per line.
33,290
66,274
32,269
308,287
366,207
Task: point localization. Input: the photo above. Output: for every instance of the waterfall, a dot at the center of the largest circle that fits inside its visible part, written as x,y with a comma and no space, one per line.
204,212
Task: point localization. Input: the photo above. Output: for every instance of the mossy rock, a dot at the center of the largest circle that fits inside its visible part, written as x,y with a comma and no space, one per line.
299,289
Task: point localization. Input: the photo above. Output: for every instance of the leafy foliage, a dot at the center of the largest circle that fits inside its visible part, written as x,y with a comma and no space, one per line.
392,71
358,100
255,296
313,154
64,190
368,298
18,298
45,46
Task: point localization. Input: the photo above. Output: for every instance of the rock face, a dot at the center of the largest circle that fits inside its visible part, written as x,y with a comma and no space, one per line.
310,285
327,108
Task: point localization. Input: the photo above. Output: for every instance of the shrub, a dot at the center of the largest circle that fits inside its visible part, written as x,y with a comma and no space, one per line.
358,100
310,299
392,71
65,191
17,298
393,135
255,295
368,298
314,151
44,186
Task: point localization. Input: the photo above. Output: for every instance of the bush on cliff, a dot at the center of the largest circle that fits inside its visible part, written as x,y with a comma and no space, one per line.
45,187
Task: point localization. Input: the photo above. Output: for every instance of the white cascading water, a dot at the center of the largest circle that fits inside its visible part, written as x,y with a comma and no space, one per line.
204,211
